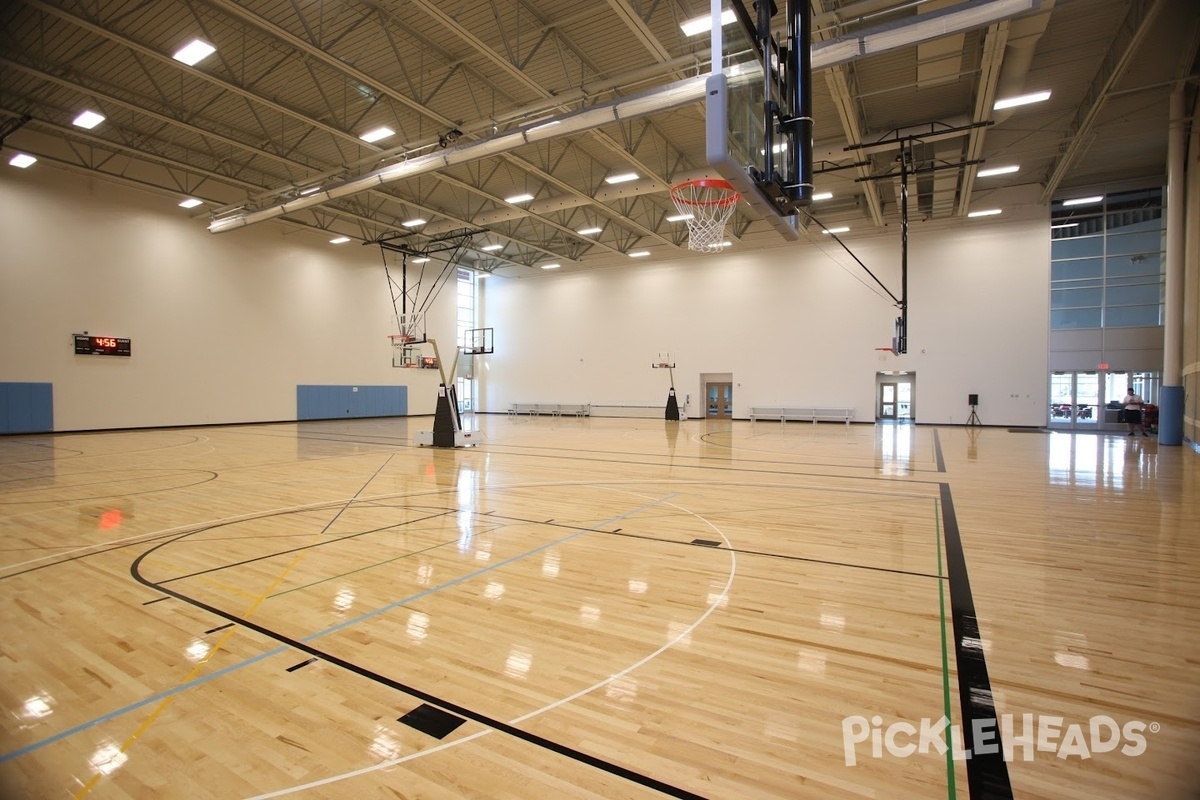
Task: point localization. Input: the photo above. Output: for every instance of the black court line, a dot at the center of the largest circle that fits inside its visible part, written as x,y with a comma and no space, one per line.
155,600
937,451
987,773
218,628
301,665
775,555
445,705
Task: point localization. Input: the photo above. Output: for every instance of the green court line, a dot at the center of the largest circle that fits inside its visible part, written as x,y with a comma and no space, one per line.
937,521
360,569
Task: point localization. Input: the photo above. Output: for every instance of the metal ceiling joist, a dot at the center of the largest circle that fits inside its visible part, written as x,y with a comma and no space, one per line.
1116,60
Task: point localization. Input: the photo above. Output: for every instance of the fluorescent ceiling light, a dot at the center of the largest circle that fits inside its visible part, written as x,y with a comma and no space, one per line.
551,266
823,196
589,231
491,248
1083,201
726,244
518,198
194,52
1020,100
987,173
623,177
340,240
639,254
1065,225
22,160
421,260
88,119
680,217
987,212
375,135
191,202
310,190
412,223
699,25
842,229
482,275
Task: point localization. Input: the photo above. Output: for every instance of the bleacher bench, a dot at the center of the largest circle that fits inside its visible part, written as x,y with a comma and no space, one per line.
801,414
553,409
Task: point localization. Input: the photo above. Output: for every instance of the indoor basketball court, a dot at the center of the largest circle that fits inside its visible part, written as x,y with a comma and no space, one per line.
691,401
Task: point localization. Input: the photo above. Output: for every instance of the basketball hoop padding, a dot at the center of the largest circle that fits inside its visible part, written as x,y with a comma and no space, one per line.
709,203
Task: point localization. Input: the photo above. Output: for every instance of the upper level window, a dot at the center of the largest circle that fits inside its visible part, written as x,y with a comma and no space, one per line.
1107,261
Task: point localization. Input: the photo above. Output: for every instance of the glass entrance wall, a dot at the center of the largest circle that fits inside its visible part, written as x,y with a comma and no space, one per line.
1092,399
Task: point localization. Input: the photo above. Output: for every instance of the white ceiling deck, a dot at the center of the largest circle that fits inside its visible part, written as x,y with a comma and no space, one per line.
279,107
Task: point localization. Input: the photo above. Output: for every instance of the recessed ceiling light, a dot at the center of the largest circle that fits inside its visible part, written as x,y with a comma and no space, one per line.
987,212
842,229
639,254
194,52
680,217
551,266
1065,225
88,119
823,196
421,260
340,240
589,231
624,177
191,202
699,25
518,198
1083,201
413,223
1021,100
987,173
377,134
491,248
22,160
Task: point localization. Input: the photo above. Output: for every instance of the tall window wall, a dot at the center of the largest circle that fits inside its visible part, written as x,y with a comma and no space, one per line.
464,380
1107,261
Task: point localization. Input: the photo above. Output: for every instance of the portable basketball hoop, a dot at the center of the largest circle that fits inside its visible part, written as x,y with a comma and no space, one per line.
708,204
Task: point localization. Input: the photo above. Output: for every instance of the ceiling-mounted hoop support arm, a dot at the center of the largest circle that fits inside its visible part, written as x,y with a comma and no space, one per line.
453,242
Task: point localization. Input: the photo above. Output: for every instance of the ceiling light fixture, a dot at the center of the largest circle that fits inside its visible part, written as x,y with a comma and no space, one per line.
1020,100
843,229
377,134
340,240
413,223
987,212
1064,225
589,231
1083,201
22,160
699,25
551,266
310,190
823,196
194,52
191,202
639,254
987,173
680,217
623,177
518,198
88,119
491,248
421,260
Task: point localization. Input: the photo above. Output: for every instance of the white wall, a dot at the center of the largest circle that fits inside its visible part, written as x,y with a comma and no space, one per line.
794,325
223,327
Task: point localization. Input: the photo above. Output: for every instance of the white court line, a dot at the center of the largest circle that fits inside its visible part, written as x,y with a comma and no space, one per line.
447,745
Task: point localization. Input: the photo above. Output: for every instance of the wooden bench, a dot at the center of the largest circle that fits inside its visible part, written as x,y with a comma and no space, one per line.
801,414
553,409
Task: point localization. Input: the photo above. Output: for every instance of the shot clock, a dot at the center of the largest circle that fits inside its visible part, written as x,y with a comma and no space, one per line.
86,345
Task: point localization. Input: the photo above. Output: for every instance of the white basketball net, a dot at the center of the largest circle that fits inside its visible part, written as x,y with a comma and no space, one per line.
709,204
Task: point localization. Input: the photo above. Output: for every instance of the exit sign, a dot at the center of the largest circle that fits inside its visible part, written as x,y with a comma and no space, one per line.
1103,366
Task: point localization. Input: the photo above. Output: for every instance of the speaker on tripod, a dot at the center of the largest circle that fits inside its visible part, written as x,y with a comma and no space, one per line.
972,401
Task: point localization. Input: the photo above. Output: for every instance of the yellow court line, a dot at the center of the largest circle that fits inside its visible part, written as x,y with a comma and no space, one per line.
128,743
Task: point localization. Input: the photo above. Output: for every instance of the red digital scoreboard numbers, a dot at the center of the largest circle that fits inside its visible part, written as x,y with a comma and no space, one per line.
86,345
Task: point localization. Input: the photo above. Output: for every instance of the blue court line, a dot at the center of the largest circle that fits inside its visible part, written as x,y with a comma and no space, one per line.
29,748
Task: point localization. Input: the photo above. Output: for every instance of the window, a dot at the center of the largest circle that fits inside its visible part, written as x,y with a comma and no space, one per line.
465,380
1106,262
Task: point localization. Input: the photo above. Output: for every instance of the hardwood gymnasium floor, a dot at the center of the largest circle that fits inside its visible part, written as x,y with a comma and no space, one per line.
598,608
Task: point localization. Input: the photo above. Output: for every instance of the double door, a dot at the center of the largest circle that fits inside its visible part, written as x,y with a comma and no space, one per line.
718,403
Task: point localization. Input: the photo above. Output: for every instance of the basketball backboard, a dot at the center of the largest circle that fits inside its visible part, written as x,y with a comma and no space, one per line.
478,341
745,143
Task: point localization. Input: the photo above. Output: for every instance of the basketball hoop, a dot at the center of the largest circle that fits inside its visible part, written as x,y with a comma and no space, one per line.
708,204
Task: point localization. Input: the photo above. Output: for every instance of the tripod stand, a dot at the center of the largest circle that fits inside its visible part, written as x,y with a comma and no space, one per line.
974,418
